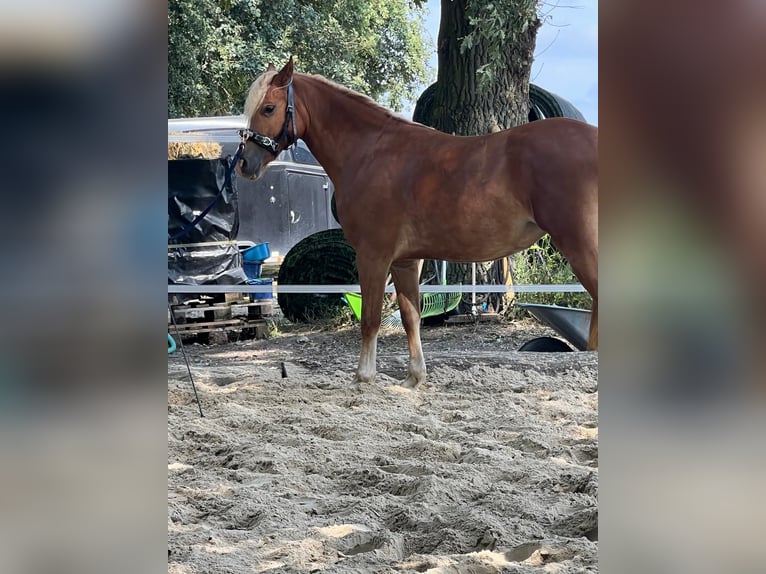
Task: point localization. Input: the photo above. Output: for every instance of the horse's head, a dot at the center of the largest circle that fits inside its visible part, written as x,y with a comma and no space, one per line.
270,113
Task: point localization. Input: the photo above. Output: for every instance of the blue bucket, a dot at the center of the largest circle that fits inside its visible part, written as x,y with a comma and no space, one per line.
255,296
252,270
257,253
171,344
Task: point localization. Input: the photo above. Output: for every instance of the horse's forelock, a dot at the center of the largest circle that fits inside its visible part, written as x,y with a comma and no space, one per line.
257,92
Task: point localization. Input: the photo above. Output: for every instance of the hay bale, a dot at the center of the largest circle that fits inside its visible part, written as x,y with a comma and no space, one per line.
193,150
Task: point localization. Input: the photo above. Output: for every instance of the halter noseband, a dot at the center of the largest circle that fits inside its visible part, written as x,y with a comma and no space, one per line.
272,144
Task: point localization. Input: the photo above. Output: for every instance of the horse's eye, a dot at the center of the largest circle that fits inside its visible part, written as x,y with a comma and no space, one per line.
269,109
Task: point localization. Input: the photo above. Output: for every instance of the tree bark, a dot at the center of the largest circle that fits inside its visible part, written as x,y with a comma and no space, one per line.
461,105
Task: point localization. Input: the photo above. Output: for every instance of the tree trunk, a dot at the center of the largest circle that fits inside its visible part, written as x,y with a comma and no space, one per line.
459,104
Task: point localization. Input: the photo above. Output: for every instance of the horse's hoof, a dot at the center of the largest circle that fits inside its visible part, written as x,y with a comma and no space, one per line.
411,382
357,382
363,379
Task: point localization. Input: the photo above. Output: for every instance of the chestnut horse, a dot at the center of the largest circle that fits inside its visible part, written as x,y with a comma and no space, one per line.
406,192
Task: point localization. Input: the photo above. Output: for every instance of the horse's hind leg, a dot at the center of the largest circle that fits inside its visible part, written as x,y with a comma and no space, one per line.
406,274
581,251
593,336
372,278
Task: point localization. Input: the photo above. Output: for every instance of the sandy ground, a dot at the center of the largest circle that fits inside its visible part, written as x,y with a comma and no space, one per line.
489,467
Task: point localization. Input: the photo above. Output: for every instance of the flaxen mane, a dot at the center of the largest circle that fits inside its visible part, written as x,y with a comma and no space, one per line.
257,92
357,96
258,89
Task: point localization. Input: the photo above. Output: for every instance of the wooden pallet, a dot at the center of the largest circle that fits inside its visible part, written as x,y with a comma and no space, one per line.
216,311
201,300
215,323
218,332
223,311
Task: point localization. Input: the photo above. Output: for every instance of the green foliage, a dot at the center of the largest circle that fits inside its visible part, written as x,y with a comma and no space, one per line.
217,47
543,264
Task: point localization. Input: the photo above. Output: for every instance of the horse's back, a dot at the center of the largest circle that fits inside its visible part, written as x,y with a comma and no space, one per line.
558,155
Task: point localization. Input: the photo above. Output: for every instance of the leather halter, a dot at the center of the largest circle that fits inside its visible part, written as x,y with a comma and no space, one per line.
272,144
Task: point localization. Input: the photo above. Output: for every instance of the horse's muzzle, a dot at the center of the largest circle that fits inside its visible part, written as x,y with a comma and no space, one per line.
245,169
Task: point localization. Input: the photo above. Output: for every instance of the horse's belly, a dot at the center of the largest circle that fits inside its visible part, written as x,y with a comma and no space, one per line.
477,243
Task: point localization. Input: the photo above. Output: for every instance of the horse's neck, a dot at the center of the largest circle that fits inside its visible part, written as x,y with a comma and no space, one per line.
342,126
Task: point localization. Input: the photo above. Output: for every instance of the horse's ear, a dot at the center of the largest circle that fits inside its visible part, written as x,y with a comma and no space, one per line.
285,74
271,67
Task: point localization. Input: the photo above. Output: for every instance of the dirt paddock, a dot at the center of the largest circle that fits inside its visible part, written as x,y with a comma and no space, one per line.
489,467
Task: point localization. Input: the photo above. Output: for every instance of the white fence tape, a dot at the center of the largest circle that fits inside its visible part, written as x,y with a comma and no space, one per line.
567,288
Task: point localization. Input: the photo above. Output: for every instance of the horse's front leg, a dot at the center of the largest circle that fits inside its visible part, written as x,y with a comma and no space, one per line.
372,278
406,275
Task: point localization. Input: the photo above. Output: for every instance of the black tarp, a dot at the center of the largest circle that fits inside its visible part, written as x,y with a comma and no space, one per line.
208,252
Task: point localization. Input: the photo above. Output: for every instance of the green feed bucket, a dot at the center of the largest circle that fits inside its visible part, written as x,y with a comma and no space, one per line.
354,301
431,304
